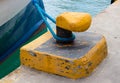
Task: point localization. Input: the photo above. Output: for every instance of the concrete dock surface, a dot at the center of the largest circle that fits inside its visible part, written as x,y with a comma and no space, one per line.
106,23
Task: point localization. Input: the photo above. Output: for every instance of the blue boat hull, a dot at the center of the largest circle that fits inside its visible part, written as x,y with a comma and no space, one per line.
21,29
16,28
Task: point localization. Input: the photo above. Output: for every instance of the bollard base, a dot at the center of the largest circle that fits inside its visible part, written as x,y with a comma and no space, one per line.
75,60
62,33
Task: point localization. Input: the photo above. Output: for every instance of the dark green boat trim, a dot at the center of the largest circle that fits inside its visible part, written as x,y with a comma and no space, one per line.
13,61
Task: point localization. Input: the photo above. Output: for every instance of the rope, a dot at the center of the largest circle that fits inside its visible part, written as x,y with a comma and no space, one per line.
42,13
33,29
50,18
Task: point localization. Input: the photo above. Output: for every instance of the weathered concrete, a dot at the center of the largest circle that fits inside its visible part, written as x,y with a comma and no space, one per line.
106,23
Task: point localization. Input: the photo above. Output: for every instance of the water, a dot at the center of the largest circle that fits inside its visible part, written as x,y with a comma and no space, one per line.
55,7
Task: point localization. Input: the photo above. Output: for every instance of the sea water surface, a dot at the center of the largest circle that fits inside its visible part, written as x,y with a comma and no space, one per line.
94,7
55,7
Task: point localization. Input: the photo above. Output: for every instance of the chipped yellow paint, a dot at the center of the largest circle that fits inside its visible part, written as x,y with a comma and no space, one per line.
92,59
74,21
68,67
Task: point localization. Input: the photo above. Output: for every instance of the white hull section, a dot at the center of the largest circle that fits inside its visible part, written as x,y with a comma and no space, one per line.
9,8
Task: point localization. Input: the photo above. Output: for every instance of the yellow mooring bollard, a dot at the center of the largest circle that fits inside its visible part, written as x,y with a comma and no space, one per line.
75,59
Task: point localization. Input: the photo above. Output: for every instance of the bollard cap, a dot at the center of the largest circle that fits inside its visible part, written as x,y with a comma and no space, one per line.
74,21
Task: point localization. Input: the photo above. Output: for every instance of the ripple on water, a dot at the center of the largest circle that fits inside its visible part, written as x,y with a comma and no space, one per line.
55,7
